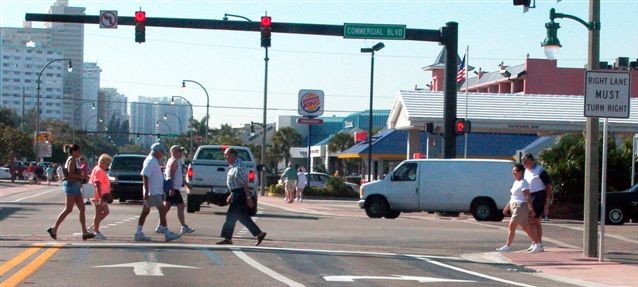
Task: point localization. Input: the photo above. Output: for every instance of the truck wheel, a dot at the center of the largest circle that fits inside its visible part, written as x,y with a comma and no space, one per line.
498,216
615,216
376,207
483,210
191,204
392,214
121,199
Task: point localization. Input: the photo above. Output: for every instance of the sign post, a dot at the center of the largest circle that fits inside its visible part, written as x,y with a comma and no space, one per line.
606,96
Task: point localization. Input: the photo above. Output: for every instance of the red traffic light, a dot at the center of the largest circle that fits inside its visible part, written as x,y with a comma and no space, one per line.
462,126
140,16
266,21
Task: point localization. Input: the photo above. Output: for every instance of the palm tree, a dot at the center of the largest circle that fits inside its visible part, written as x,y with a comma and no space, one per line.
199,127
282,141
338,143
227,135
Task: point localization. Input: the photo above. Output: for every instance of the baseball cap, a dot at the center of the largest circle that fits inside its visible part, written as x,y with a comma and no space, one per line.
177,147
158,147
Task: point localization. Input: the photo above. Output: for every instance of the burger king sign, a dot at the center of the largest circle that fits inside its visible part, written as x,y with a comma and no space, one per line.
310,103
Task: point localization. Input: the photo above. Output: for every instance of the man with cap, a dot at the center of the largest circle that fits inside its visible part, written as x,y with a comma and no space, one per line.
174,173
153,180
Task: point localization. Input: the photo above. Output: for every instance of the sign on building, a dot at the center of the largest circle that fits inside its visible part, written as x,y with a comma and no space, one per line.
310,103
607,94
108,19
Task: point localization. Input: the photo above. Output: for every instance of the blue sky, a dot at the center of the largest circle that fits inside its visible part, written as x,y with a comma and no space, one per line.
230,64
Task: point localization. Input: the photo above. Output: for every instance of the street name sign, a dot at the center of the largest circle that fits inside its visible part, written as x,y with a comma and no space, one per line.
607,94
374,31
108,19
309,121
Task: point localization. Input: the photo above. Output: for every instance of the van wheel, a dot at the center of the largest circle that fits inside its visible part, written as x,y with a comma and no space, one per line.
483,210
392,214
191,204
498,216
615,216
121,199
376,207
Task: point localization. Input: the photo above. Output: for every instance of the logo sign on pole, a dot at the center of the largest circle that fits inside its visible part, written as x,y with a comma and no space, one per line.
309,121
310,103
607,94
373,31
45,149
44,137
108,19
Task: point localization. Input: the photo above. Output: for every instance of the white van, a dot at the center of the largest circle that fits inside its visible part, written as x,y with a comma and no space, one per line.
479,186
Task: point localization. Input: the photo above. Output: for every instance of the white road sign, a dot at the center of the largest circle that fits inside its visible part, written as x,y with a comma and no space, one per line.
108,19
607,94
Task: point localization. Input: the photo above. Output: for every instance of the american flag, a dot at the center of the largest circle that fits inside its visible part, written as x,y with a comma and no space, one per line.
460,75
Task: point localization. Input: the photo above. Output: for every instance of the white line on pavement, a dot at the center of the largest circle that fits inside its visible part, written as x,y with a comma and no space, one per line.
262,268
307,211
622,238
545,238
472,272
35,195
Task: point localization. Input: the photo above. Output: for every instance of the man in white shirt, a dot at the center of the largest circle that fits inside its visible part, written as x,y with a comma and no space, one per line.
153,193
540,186
175,174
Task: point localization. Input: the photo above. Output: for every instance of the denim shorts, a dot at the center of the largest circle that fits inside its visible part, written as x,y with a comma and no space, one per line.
72,187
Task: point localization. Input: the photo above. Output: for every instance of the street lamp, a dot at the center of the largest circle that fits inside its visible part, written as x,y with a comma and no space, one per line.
157,124
592,157
37,107
190,128
226,15
207,103
372,50
86,128
179,130
75,111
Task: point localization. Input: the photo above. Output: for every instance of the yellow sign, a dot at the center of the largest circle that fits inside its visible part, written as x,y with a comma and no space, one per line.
45,137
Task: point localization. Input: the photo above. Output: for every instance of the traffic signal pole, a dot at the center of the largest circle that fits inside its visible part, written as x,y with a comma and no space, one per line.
447,35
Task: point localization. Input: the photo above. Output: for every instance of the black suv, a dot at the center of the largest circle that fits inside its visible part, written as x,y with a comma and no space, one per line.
622,206
124,174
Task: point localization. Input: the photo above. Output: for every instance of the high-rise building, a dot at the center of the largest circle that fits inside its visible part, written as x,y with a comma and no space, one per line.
24,53
69,38
115,106
91,86
147,116
143,120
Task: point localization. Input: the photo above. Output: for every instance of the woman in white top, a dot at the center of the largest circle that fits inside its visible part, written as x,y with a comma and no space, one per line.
519,205
302,180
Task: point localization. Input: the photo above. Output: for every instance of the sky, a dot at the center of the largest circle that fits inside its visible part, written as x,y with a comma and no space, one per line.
230,64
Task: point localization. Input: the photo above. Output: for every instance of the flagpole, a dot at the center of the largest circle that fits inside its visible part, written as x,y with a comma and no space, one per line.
467,84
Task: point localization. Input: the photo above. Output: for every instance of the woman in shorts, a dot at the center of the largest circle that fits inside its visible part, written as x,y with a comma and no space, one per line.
71,186
519,205
102,194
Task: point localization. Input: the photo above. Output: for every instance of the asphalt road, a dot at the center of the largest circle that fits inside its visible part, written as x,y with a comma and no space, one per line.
307,245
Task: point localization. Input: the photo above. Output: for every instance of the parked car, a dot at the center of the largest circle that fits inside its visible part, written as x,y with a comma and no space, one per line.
17,170
441,185
207,176
5,173
318,179
124,174
622,206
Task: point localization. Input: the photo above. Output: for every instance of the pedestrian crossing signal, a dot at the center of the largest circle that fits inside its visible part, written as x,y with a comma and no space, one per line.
462,126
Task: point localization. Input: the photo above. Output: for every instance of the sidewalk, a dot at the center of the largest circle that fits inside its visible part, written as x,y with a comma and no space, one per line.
569,266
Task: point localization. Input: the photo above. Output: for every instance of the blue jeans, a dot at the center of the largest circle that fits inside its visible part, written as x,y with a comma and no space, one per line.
72,187
238,210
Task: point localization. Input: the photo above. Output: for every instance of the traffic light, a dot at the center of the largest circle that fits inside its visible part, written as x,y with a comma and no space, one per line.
140,26
265,31
525,3
462,126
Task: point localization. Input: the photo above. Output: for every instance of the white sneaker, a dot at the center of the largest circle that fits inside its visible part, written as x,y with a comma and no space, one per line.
186,229
100,236
537,248
170,236
90,229
530,247
160,229
504,248
540,245
141,237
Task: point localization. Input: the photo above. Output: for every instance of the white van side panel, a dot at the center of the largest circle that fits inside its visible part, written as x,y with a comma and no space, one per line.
452,185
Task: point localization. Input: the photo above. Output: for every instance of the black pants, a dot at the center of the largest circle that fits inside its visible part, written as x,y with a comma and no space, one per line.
238,210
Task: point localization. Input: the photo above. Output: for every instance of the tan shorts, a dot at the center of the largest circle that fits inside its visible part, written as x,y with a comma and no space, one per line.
291,185
520,211
154,200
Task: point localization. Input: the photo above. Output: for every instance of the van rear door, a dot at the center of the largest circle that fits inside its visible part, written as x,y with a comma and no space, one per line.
403,192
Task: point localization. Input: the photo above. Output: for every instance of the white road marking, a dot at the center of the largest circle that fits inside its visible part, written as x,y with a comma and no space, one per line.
420,279
146,268
545,238
35,195
262,268
304,210
474,273
622,238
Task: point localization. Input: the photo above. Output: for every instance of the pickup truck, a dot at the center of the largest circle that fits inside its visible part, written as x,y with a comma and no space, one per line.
206,176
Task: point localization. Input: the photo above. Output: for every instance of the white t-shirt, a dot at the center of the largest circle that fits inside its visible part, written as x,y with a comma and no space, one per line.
534,178
153,171
301,179
178,180
517,191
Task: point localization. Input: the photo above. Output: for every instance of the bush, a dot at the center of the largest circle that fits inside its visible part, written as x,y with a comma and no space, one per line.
336,189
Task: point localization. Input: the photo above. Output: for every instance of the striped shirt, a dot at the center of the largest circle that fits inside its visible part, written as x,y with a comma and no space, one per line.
237,175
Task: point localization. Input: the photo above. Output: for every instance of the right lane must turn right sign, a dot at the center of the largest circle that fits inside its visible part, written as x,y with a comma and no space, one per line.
607,94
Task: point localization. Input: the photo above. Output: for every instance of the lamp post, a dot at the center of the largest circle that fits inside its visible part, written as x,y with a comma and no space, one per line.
37,106
75,111
190,128
179,129
207,103
157,125
86,128
372,50
592,158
